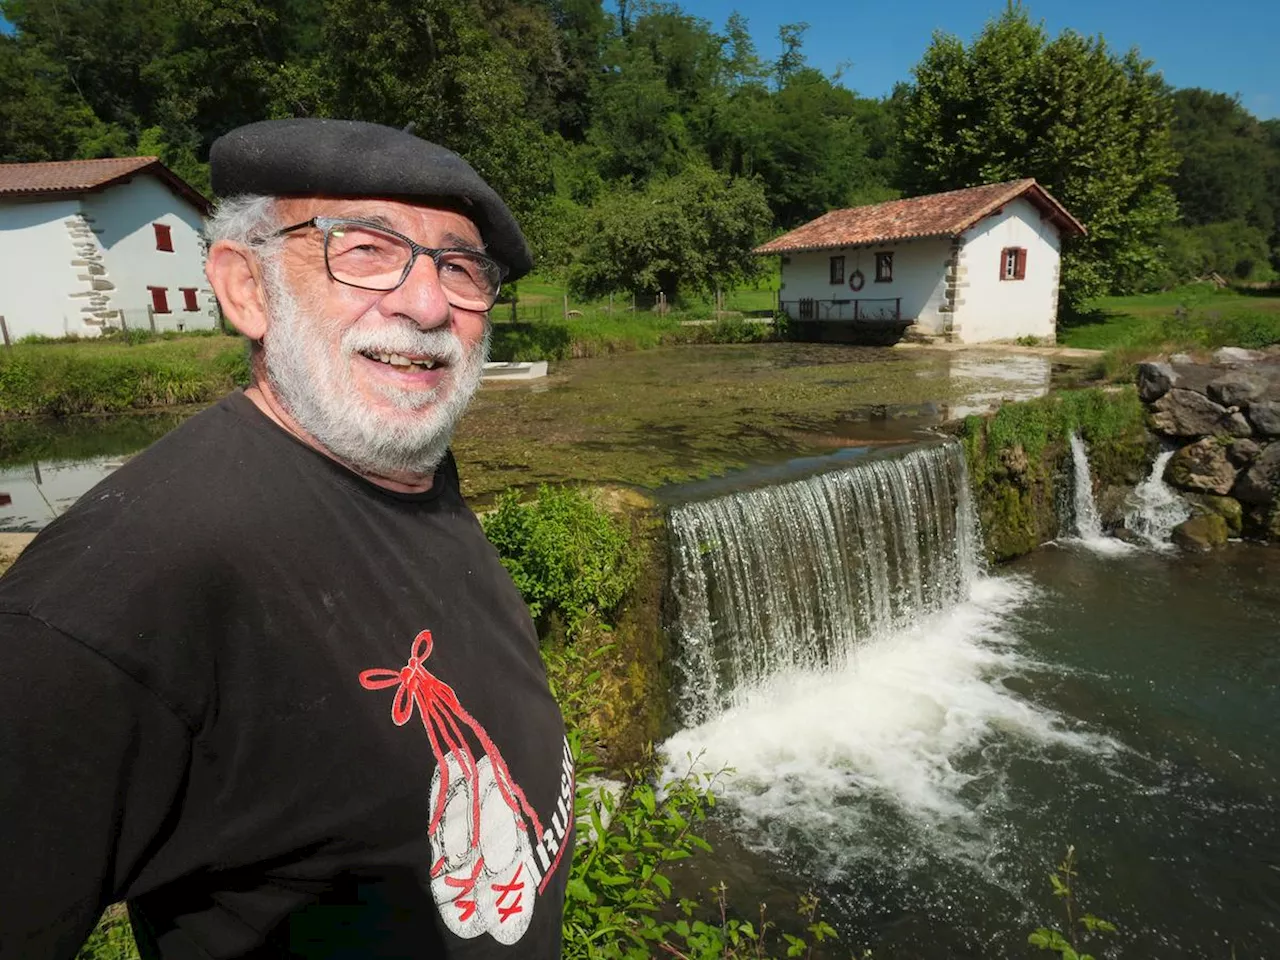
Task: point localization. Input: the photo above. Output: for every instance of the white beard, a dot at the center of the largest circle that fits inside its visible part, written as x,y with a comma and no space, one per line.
319,392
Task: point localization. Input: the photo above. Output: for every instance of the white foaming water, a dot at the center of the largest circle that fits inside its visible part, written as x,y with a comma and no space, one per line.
916,721
1088,523
1154,509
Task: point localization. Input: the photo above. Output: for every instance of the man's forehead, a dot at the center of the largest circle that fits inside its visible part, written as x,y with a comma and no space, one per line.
417,220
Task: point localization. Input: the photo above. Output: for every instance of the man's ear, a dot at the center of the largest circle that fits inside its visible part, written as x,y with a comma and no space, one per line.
236,278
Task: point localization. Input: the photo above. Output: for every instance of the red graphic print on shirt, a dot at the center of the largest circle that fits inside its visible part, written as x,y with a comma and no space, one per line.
491,853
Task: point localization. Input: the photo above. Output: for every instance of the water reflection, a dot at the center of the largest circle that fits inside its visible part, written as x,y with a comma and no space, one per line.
46,465
985,380
33,496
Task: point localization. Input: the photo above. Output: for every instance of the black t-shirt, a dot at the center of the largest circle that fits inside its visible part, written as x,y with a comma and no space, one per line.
281,710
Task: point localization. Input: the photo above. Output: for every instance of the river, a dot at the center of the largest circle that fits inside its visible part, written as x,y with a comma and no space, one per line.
926,777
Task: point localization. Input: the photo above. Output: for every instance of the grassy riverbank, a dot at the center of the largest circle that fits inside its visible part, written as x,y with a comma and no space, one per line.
1193,318
109,376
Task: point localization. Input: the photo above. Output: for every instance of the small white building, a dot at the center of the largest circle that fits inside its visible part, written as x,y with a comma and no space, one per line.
968,265
86,244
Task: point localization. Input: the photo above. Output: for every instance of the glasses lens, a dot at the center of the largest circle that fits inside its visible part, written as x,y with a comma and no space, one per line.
366,257
470,280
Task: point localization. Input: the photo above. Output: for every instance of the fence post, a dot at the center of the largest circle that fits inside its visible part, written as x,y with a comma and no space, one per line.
4,329
151,317
124,326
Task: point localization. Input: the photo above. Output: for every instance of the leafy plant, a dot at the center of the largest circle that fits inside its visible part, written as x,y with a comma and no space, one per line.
1067,945
567,556
619,897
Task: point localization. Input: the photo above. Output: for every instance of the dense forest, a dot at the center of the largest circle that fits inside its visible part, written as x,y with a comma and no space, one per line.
646,149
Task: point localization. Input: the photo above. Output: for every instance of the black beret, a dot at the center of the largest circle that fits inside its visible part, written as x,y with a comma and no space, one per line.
350,158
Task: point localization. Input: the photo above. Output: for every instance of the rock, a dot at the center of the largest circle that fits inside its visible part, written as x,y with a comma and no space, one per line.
1236,355
1203,532
1243,451
1154,380
1185,413
1201,467
1273,528
1016,465
1112,500
1260,482
1265,417
1235,389
1228,508
1181,358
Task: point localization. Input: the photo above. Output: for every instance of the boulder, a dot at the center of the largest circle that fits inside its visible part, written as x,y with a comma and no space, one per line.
1265,417
1201,467
1236,389
1203,532
1185,413
1154,380
1228,508
1258,484
1236,355
1112,501
1243,451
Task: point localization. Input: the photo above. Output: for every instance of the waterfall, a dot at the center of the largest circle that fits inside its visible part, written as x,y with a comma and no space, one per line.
1088,525
1154,509
802,574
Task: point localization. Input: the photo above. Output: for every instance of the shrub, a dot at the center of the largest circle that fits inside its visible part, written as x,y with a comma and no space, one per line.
567,556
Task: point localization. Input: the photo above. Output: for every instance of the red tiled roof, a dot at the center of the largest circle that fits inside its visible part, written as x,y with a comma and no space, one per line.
936,215
80,176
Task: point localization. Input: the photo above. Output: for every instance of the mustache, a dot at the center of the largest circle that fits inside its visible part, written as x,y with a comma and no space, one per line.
407,340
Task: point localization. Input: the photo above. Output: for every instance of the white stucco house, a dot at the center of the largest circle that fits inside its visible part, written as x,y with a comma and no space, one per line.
968,265
86,244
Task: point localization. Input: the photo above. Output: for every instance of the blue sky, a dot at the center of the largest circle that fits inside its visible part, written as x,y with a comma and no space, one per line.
1232,46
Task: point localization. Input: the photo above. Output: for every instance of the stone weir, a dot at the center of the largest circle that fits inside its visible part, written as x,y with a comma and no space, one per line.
799,574
1224,417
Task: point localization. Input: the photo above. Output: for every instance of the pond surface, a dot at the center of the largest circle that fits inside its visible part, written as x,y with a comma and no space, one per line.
1126,705
643,418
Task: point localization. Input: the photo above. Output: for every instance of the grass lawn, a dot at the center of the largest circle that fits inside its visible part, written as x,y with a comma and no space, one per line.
1189,318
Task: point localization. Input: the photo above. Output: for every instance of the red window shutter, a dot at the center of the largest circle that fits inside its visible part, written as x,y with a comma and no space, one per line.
1021,272
164,238
159,299
189,299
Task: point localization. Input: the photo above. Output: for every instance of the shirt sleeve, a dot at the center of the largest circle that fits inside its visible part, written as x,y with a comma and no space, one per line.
90,764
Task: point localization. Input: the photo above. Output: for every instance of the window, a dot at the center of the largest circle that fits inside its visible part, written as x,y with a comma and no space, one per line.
884,267
159,299
837,270
164,239
1013,263
189,301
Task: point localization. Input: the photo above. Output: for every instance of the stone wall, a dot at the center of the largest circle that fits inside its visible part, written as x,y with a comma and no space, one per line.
1224,417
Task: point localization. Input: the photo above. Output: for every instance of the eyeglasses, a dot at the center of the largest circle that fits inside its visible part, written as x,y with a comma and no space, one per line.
365,255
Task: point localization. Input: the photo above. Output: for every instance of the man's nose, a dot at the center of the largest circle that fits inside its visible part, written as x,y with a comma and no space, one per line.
421,298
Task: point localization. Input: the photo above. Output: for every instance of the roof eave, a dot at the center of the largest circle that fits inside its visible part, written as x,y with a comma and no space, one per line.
761,251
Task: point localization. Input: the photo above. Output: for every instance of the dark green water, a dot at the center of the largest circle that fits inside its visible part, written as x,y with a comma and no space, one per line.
1128,706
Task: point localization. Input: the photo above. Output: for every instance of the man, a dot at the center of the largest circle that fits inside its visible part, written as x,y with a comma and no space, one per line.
268,682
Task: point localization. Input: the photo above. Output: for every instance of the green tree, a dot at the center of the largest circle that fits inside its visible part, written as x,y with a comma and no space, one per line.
42,117
1226,159
1092,127
691,232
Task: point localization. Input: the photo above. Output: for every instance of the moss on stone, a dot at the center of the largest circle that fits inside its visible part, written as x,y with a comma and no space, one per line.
1018,456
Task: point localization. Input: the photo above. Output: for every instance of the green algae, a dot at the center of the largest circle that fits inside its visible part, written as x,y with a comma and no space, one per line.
676,414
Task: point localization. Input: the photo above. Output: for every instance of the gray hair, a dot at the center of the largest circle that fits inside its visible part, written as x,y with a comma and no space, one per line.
248,219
